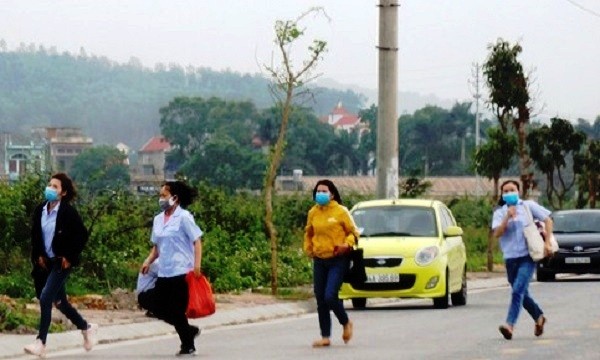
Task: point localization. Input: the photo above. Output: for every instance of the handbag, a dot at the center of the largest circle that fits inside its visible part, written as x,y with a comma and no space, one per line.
201,301
548,238
356,274
535,241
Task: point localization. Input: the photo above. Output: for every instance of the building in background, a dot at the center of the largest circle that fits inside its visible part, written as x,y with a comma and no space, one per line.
46,149
64,144
22,155
150,171
342,119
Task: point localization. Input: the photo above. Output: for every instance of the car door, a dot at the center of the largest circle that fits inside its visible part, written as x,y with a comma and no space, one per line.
455,249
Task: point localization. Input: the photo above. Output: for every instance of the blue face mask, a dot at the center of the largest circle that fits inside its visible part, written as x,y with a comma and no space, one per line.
50,194
511,198
322,198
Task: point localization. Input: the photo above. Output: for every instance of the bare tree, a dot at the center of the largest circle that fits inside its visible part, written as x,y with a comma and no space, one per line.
288,84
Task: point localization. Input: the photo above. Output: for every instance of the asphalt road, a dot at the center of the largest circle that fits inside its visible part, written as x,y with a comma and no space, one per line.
408,329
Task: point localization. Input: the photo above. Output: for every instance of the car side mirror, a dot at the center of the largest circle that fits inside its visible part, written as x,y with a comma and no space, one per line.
453,231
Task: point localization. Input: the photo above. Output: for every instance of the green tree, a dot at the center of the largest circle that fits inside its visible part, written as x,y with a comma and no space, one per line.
341,156
225,163
287,81
100,167
212,141
589,181
591,130
509,99
495,155
308,139
368,140
551,148
435,141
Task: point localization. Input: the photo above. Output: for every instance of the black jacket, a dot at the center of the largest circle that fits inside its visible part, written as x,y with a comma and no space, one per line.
70,235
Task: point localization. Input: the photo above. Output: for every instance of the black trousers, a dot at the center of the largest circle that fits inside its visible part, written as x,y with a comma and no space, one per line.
147,300
171,303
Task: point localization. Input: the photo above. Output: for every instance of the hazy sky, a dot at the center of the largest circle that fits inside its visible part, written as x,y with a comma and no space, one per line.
439,40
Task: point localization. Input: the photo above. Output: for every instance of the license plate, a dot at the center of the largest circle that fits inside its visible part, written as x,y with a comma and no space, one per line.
577,260
383,278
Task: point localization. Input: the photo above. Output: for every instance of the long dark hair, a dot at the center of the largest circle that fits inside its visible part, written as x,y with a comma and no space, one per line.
185,194
501,201
332,189
67,186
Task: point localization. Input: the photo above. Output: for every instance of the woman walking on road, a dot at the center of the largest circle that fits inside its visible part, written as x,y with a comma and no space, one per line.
508,222
329,236
58,237
177,241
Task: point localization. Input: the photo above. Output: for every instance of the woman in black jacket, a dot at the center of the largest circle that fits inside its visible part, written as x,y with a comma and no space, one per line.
57,240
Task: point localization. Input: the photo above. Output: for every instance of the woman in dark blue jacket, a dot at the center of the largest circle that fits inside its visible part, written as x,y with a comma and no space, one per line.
58,237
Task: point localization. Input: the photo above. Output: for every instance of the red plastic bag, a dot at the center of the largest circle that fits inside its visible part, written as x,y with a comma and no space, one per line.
201,301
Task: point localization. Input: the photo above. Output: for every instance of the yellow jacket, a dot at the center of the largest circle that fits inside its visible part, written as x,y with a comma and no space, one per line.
326,227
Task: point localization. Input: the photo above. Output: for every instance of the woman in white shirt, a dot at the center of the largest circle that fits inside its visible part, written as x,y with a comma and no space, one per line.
177,240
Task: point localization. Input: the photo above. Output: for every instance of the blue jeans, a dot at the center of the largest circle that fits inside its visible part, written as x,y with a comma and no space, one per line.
328,275
519,272
54,292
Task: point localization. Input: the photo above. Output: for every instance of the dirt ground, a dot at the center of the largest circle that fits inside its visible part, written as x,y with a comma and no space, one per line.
121,306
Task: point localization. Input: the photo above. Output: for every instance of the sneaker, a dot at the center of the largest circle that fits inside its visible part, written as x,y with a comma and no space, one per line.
89,336
186,351
37,348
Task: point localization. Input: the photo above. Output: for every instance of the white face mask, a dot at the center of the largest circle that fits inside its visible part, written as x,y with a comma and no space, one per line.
166,204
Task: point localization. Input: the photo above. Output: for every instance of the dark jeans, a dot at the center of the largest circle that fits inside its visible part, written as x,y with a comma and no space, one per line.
171,304
519,272
54,292
328,275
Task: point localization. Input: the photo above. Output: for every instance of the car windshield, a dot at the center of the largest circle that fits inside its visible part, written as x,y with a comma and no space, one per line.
395,221
577,222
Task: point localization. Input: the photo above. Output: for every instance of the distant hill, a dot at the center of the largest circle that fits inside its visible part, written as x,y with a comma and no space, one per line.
408,102
115,102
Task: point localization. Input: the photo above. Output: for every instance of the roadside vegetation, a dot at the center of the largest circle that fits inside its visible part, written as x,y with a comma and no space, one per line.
236,246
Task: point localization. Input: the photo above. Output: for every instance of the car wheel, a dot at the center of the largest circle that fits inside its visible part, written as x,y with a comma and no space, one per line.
359,303
544,275
460,298
442,301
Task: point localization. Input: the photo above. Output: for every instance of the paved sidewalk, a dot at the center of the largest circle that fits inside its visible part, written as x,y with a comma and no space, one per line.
11,346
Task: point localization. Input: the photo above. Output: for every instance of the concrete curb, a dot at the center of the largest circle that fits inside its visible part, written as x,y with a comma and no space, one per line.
11,346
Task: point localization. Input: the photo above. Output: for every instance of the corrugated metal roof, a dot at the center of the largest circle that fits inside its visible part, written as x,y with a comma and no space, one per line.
442,186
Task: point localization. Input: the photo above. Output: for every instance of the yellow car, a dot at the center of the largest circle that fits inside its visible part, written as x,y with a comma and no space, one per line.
412,248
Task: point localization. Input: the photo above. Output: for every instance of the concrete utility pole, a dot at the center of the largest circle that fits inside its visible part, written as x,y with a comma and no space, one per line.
477,95
387,115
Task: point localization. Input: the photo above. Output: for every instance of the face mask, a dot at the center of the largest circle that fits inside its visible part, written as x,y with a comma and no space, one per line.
164,204
322,198
50,194
511,198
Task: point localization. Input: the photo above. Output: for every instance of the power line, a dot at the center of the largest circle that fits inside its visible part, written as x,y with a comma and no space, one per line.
584,8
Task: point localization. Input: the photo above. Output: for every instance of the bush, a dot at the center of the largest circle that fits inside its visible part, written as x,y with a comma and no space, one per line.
475,216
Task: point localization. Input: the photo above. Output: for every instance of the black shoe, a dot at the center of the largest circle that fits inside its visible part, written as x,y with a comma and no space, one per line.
187,351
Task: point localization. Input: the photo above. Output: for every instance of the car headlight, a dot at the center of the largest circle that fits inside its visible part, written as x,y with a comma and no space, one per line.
426,255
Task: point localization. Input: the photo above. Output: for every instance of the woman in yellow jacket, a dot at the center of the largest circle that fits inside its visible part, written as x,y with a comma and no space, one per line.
329,236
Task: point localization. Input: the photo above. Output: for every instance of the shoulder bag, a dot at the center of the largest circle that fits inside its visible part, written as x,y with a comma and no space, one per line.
535,242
